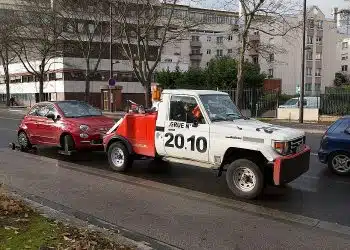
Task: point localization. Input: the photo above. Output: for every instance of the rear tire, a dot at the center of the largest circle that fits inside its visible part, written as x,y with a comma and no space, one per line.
23,141
245,179
339,163
118,157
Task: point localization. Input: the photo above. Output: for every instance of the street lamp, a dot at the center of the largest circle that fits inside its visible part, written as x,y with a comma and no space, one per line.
301,111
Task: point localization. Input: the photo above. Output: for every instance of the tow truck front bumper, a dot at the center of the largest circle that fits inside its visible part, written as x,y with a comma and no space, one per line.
288,168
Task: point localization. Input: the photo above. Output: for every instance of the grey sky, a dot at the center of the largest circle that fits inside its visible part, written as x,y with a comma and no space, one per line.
325,5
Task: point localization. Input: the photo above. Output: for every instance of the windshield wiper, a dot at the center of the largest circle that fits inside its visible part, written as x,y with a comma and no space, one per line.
218,119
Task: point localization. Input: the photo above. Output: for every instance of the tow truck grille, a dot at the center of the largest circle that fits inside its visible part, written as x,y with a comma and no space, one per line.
295,145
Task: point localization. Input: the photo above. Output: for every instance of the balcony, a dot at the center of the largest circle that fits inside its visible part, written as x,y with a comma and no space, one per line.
196,57
196,44
254,38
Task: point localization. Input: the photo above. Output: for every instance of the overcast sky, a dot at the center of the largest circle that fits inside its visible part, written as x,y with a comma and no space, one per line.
325,5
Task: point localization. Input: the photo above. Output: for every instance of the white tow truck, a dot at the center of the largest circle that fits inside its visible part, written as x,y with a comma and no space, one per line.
205,128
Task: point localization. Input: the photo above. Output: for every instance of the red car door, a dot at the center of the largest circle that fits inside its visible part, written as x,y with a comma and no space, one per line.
31,122
50,129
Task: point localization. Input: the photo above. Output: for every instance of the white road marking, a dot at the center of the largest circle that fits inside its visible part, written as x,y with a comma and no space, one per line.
314,154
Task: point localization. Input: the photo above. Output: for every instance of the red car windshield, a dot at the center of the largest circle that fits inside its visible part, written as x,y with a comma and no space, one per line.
78,109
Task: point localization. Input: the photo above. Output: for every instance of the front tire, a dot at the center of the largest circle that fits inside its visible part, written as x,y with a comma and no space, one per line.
118,157
23,141
339,163
245,179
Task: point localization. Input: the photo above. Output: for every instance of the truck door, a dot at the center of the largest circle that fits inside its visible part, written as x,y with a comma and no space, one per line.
186,136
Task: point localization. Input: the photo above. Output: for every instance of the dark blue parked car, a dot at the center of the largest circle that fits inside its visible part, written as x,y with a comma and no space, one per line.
335,147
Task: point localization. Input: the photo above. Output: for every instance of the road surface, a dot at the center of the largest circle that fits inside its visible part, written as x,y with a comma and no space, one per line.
162,202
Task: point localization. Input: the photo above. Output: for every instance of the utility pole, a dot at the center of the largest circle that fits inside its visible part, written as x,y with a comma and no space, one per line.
301,111
110,54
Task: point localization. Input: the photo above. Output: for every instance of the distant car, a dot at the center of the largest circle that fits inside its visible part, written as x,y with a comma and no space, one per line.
335,147
69,125
309,102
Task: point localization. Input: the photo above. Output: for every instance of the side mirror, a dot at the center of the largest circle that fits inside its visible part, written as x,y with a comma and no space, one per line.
347,130
51,116
195,123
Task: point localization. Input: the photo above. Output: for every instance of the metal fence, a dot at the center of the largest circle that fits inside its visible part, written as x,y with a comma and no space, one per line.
257,102
335,103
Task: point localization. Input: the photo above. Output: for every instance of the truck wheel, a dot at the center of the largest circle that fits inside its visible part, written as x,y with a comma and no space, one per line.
23,141
245,179
118,157
339,163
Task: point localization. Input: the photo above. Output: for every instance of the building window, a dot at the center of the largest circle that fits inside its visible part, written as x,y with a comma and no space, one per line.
318,56
344,68
344,57
229,51
309,55
308,87
318,72
208,51
196,52
311,24
318,87
319,39
207,64
230,38
320,25
309,39
219,52
208,38
195,38
271,57
255,59
309,71
344,45
270,73
220,40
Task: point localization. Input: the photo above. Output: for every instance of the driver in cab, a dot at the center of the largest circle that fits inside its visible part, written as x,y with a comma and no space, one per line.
193,114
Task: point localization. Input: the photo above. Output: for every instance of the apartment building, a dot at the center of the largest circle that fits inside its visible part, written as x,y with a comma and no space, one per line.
282,61
214,34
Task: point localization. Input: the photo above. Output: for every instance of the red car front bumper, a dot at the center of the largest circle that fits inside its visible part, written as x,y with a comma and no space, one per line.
288,168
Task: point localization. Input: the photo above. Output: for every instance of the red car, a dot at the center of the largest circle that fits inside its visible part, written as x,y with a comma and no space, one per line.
69,125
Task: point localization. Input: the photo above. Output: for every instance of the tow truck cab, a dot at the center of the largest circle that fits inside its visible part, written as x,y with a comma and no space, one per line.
205,128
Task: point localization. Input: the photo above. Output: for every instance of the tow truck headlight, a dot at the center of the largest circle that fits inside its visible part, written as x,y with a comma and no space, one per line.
84,128
281,147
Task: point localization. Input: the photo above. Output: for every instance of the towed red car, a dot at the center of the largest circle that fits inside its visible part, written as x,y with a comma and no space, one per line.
69,125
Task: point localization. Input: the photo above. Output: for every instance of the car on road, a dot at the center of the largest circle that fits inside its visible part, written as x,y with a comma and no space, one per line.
204,128
335,147
69,125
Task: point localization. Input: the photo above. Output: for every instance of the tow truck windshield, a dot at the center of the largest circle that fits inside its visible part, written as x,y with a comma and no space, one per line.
220,108
78,109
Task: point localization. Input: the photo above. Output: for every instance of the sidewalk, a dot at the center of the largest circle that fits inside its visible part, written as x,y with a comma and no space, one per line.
178,217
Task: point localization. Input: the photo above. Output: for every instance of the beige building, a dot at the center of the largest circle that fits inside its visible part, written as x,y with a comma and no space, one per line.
283,59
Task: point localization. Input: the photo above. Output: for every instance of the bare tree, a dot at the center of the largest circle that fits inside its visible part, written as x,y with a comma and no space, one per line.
142,27
270,17
86,30
7,30
37,41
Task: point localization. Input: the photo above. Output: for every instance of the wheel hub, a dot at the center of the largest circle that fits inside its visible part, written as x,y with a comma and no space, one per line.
341,163
244,179
117,157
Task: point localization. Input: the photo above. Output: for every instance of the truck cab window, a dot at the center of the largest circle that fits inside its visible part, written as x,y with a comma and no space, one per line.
185,109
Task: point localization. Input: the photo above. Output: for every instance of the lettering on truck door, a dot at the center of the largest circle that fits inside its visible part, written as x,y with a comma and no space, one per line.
186,132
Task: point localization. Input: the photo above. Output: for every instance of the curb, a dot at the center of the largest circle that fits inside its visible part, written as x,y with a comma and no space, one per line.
107,229
273,214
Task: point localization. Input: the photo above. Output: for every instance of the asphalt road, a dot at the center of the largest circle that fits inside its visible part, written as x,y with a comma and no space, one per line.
318,193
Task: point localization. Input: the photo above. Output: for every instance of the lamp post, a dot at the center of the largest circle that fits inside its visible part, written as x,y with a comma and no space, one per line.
301,111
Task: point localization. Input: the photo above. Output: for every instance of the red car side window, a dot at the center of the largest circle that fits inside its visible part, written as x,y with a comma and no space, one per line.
34,111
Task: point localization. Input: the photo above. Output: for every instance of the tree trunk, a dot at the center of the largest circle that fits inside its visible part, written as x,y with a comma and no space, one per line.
87,82
148,94
240,83
5,64
41,88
